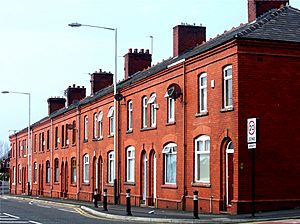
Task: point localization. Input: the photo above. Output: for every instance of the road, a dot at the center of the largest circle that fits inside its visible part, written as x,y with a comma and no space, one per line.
20,211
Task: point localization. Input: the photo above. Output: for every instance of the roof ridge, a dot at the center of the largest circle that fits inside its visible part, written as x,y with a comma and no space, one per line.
262,20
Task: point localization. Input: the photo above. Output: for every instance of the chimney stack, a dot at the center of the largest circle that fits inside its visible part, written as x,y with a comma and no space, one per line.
136,61
75,93
258,7
55,104
187,36
100,80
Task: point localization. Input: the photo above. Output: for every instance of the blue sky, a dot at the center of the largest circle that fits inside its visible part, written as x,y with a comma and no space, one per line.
40,54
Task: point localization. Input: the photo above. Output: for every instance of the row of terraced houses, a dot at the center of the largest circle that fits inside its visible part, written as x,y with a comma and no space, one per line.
181,125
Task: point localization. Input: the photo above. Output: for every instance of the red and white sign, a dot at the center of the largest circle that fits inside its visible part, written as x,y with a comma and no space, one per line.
251,130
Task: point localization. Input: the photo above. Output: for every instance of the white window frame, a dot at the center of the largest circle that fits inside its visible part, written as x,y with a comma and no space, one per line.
86,168
130,161
111,167
170,150
110,116
95,129
144,112
171,110
203,93
86,122
129,114
152,102
200,152
227,84
100,121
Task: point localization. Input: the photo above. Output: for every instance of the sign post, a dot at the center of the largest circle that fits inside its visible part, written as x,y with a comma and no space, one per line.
251,140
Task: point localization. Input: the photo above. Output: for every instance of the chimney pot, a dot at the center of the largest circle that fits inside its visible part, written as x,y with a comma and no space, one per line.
135,50
142,51
130,50
147,51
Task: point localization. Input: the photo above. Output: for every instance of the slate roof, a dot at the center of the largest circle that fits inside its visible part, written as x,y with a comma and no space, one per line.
277,24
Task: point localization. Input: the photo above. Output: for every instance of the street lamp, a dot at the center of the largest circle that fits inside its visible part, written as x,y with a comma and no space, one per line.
115,102
29,142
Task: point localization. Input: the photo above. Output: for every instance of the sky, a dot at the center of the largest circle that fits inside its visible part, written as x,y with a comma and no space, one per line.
41,55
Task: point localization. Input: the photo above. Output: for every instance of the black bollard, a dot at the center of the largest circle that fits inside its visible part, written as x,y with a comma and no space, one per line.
105,200
128,206
195,198
95,196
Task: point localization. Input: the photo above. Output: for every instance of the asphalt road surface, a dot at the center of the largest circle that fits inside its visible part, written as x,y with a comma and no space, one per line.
20,211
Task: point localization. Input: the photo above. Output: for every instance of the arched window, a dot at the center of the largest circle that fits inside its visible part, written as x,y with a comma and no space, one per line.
202,159
152,102
203,92
56,173
86,166
110,116
48,171
111,167
169,152
227,85
130,164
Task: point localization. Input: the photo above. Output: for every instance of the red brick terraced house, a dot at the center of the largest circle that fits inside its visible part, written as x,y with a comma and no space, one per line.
181,124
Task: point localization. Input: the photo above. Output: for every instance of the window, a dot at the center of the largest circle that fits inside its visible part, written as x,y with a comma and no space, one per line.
152,102
73,170
100,121
203,92
56,173
95,125
34,172
40,142
130,164
73,132
85,137
48,171
67,134
14,176
111,167
144,112
56,137
62,136
110,116
129,115
19,174
169,152
86,168
34,143
48,139
227,76
171,110
202,159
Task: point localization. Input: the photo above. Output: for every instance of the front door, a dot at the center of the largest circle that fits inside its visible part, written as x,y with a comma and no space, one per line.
144,178
229,173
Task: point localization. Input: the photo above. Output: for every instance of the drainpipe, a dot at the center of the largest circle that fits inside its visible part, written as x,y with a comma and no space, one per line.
78,153
51,157
184,136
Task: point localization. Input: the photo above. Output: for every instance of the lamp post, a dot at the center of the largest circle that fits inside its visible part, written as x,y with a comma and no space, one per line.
115,102
29,140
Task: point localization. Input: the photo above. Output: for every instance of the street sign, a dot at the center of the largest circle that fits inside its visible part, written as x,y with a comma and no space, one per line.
251,130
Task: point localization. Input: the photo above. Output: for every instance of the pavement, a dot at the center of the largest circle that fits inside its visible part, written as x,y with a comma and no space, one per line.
146,214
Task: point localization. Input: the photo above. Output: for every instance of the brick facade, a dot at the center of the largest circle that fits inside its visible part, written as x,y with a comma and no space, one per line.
265,84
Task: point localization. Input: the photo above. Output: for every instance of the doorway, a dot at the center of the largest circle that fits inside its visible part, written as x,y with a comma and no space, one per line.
144,178
229,172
